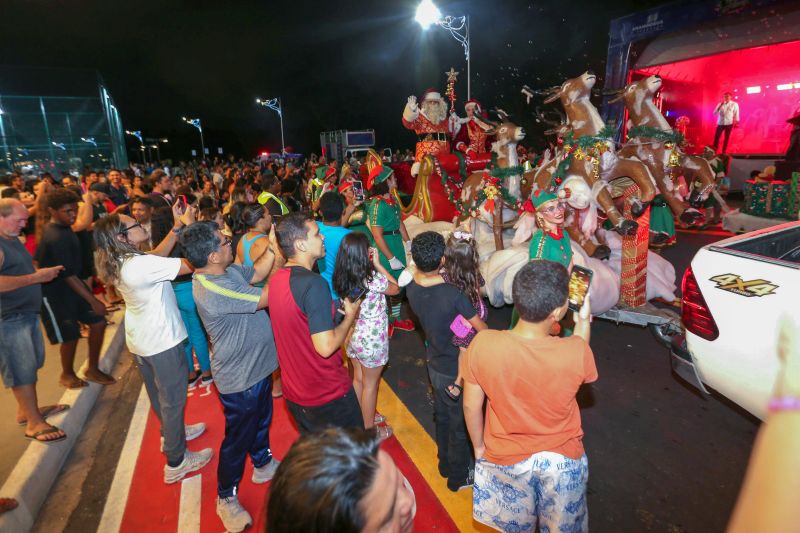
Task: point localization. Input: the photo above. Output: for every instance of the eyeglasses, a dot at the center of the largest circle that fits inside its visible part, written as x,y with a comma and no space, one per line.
554,207
126,230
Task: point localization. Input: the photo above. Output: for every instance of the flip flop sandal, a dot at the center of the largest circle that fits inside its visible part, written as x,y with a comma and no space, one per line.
452,396
49,410
78,385
51,429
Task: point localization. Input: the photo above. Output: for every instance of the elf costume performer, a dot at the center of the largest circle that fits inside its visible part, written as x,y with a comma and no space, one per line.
430,125
712,206
662,223
388,233
549,242
356,220
319,186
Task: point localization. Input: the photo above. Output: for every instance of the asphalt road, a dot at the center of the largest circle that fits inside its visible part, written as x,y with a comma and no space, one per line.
662,457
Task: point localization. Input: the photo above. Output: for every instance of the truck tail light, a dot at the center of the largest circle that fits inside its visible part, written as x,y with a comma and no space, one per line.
695,314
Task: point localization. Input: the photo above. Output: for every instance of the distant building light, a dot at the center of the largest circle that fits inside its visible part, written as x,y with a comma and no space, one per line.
754,90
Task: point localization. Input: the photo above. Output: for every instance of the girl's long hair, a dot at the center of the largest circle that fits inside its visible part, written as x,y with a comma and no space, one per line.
353,267
461,263
110,252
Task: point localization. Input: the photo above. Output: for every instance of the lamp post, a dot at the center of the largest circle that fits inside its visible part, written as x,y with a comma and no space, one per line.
93,142
158,147
428,14
196,123
275,105
138,135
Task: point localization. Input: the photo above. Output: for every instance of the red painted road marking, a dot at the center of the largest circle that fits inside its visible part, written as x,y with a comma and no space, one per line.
154,507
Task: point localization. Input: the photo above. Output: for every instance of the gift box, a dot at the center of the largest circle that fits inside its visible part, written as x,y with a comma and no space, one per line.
768,198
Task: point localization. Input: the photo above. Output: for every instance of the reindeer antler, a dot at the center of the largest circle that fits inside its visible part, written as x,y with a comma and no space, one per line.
530,93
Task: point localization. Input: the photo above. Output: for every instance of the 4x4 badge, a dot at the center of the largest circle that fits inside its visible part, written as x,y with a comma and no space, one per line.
735,284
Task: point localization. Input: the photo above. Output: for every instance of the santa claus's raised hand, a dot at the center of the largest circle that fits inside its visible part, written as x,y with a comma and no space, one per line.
412,102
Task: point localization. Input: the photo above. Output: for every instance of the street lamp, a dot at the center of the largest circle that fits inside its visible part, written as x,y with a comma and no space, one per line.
59,145
138,135
92,141
158,147
275,105
428,14
196,123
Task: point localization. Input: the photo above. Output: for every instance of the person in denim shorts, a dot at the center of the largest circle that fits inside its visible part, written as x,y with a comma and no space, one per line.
22,348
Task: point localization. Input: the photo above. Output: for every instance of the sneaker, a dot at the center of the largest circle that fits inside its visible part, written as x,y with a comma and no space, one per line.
404,325
457,485
234,517
192,432
206,381
192,461
194,380
383,432
265,473
379,419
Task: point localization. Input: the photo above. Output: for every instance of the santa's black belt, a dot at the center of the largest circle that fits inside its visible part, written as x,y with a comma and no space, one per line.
393,232
437,136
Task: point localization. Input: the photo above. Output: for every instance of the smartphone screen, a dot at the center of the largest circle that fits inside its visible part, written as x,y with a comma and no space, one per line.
358,191
182,201
579,282
356,294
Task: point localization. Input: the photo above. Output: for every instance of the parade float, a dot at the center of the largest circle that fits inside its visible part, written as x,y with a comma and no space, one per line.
490,194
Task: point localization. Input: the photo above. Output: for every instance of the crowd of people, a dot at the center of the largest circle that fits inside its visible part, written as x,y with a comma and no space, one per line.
270,279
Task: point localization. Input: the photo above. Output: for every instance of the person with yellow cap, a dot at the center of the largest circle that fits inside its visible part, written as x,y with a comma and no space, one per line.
388,233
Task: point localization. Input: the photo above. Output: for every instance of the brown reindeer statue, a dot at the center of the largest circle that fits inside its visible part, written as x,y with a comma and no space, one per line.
603,172
507,135
661,154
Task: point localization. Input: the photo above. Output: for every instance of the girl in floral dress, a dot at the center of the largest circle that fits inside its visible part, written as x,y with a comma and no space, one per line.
359,273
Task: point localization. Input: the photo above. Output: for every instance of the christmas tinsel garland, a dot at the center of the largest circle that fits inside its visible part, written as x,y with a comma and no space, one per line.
655,133
586,145
498,175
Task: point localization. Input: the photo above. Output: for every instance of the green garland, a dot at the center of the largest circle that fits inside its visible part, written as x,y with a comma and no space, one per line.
480,197
655,133
585,143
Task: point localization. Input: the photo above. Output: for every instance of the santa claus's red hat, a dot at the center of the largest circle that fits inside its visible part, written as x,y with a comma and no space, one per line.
473,103
431,94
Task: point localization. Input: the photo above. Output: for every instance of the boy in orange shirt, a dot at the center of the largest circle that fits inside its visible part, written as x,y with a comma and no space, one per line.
530,462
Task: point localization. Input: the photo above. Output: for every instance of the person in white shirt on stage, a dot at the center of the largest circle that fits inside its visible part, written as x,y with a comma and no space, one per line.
727,113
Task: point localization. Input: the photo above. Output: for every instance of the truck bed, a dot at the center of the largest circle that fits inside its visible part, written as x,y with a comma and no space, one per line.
781,244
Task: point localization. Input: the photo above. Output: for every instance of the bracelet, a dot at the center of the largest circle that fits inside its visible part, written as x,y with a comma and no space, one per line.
784,403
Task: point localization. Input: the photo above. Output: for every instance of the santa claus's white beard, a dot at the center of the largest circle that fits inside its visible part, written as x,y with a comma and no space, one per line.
434,111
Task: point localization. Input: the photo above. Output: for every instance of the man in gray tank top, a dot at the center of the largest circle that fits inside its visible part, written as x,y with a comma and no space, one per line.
22,348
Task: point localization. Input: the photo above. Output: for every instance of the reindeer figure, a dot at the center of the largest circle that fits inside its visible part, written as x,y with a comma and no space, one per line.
655,153
583,119
508,135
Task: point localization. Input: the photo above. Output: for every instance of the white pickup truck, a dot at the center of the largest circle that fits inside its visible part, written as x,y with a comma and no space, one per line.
733,294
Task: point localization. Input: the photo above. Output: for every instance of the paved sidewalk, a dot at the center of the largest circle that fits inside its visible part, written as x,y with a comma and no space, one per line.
27,468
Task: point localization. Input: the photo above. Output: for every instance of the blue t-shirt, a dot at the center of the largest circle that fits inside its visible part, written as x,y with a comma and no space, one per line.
333,239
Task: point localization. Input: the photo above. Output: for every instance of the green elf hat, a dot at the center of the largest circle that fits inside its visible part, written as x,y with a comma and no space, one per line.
379,174
540,197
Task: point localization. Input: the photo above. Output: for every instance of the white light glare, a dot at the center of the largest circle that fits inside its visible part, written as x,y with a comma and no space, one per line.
754,90
427,14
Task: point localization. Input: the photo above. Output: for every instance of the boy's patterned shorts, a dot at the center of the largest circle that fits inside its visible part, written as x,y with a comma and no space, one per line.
546,487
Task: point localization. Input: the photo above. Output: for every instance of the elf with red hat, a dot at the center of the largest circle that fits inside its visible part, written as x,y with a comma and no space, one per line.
470,133
387,229
430,125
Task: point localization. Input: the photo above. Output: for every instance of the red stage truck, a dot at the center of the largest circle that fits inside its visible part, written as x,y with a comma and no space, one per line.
704,48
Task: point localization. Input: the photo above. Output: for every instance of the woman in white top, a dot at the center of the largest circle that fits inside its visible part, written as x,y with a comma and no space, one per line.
154,330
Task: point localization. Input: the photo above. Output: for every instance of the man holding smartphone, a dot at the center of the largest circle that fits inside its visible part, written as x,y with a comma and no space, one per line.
530,464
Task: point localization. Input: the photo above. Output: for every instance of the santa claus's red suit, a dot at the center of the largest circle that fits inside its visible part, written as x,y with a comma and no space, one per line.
430,125
470,134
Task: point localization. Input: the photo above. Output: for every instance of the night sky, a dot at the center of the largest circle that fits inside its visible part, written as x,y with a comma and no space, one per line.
336,65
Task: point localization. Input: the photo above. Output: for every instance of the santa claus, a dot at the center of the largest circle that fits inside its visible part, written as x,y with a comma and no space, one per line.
470,133
430,125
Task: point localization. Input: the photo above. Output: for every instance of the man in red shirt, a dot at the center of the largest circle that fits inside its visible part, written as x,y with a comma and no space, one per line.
316,385
530,463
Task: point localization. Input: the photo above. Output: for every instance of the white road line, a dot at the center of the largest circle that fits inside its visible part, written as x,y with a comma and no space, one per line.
120,486
189,515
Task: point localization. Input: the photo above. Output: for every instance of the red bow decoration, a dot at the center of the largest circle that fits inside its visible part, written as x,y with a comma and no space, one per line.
528,205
